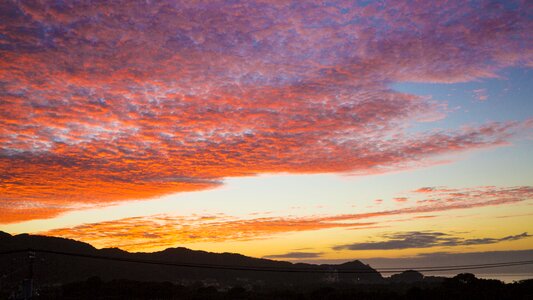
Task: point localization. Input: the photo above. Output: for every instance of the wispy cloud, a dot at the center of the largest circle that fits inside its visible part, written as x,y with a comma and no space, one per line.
401,199
105,102
424,239
480,94
170,230
161,231
295,255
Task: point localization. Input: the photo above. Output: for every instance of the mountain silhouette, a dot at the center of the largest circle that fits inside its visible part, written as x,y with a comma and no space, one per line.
56,268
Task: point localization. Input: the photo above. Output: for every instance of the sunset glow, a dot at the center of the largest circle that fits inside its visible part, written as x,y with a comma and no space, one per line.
300,130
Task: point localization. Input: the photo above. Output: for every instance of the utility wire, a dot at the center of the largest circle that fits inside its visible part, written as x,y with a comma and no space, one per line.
277,269
214,265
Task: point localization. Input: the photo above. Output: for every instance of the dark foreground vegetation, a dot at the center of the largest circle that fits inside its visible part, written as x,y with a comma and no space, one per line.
463,286
68,269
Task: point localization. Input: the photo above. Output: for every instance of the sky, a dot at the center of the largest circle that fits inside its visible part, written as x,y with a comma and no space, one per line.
295,130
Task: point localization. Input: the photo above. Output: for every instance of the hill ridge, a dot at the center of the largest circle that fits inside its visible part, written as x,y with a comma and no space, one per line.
55,268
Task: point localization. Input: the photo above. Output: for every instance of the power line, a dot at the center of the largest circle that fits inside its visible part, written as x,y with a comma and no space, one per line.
277,269
459,266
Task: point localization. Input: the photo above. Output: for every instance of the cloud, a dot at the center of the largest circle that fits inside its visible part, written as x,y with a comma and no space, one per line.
480,94
171,230
514,216
425,239
424,217
401,199
133,100
295,255
426,189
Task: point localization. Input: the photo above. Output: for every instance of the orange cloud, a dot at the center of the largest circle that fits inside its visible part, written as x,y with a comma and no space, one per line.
401,199
162,231
127,100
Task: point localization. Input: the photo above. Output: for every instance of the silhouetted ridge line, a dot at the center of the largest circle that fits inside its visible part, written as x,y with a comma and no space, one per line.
275,269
